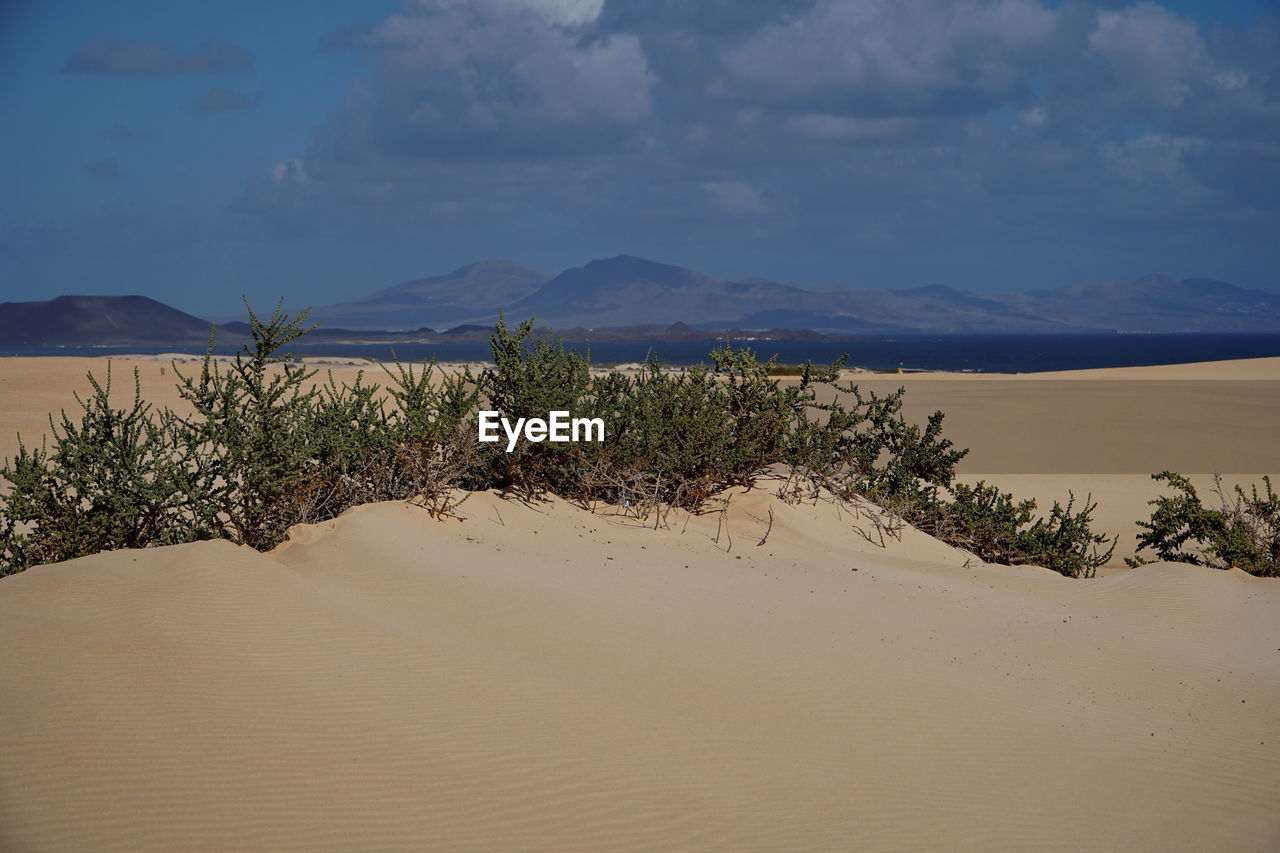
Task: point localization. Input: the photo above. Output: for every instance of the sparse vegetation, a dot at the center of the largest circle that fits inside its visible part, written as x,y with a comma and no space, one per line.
115,478
264,447
1000,529
1242,532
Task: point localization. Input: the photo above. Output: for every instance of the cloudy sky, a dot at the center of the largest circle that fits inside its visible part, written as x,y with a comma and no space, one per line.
317,151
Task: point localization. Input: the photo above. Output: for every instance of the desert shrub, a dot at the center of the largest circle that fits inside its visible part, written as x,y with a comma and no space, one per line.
288,454
1000,529
252,422
346,455
667,435
116,478
263,448
678,437
433,427
1242,532
894,461
430,409
868,449
530,377
259,451
761,412
675,438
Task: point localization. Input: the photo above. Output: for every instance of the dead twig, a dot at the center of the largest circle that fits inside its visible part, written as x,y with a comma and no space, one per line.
768,527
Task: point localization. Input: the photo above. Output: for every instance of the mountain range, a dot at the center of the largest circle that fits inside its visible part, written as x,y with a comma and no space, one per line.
629,291
638,299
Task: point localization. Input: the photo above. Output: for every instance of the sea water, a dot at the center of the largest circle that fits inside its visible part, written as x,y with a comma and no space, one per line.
973,353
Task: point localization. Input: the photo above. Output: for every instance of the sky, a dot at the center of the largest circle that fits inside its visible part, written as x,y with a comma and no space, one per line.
319,151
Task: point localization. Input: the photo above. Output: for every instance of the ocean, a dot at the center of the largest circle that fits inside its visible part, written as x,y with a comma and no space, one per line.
968,353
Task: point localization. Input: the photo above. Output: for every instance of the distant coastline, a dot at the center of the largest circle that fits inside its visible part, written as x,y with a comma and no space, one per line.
950,353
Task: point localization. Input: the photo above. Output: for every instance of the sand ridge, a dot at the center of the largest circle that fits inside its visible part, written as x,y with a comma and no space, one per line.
541,677
537,676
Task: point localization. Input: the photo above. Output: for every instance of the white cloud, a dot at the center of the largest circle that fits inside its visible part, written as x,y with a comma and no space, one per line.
735,198
1150,156
1152,56
562,12
461,79
890,57
567,12
291,171
822,127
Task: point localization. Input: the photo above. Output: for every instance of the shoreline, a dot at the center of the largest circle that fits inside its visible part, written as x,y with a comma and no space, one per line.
1261,368
977,355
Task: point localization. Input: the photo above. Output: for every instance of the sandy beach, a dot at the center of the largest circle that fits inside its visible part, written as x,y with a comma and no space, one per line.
541,677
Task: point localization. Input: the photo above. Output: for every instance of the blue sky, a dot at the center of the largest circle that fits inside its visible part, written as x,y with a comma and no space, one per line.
319,151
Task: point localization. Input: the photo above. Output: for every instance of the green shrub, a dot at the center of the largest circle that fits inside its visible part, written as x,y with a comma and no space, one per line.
430,410
894,461
263,449
116,478
870,450
250,423
1242,532
999,529
530,377
667,440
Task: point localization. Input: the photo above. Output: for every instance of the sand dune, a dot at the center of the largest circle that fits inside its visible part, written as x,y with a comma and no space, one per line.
539,677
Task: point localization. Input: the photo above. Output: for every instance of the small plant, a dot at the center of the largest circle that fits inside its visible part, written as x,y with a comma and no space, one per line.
999,529
1242,532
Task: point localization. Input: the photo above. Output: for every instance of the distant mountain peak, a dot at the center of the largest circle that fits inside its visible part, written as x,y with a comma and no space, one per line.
624,258
494,264
635,266
940,290
471,293
80,320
